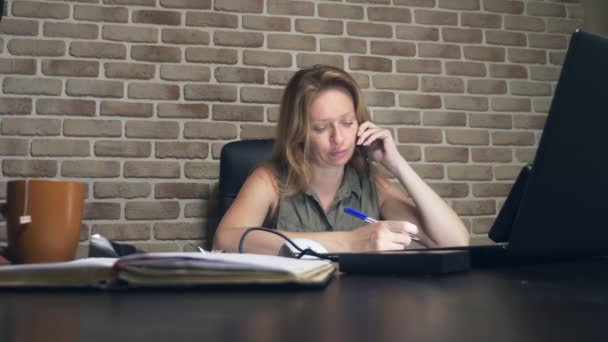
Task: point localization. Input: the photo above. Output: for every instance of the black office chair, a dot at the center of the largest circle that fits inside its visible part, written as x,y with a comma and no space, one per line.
237,160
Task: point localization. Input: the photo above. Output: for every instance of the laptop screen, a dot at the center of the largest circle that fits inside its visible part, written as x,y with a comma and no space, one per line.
564,207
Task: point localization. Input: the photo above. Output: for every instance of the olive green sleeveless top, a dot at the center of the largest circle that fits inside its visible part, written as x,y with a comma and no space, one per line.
303,212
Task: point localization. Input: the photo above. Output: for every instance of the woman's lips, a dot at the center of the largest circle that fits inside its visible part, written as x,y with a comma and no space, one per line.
339,153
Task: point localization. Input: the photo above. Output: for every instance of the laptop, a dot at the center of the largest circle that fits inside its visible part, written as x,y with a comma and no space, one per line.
557,208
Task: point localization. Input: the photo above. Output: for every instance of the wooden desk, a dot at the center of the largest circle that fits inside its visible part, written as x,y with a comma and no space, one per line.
555,302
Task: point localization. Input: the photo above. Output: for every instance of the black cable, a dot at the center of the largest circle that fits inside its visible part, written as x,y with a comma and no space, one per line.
302,253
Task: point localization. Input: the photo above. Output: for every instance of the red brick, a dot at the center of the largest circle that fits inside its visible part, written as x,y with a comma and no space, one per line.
465,68
469,172
66,67
214,19
202,170
13,147
474,207
151,210
410,153
305,60
131,109
101,211
241,39
291,42
151,53
565,26
389,14
506,38
406,117
472,103
180,231
18,27
209,130
90,168
548,41
446,154
442,84
250,6
185,36
181,150
239,75
529,121
156,17
482,53
237,113
15,105
263,23
334,27
31,86
461,4
467,137
504,6
419,66
29,168
438,50
181,190
98,88
37,9
69,30
527,88
65,107
398,82
491,154
417,3
440,118
348,45
153,91
122,231
508,71
60,148
541,105
507,172
513,138
18,66
491,189
185,73
369,30
393,48
261,95
188,4
101,13
412,32
379,98
510,104
257,131
151,169
429,171
198,209
524,23
98,50
279,77
450,190
557,58
151,129
484,20
133,34
525,155
340,11
266,58
370,63
420,135
129,70
459,35
149,3
210,92
91,128
486,120
298,8
419,101
183,110
484,86
211,55
122,149
433,17
29,126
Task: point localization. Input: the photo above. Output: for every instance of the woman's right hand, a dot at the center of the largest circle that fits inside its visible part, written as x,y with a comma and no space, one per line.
382,236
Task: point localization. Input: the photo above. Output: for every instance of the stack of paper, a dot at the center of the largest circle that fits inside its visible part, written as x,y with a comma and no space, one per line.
169,269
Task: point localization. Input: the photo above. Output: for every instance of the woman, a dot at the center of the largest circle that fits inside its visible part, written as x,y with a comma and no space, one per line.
318,167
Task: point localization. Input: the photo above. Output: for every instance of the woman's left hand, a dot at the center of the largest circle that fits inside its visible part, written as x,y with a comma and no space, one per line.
381,145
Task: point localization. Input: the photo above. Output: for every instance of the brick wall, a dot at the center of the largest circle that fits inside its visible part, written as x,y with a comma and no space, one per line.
135,98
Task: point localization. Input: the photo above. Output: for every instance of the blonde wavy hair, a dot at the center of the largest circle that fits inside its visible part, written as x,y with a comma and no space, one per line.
291,154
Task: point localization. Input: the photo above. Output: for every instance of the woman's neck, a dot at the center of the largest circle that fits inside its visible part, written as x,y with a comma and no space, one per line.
326,182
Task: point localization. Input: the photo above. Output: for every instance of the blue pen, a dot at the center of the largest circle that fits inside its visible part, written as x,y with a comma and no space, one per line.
363,216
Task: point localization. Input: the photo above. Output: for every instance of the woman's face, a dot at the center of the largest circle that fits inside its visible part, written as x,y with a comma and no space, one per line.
333,128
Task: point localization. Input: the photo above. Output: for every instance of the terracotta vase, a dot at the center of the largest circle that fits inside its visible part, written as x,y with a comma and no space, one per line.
43,219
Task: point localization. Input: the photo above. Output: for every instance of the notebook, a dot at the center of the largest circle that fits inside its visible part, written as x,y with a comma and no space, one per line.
557,207
170,270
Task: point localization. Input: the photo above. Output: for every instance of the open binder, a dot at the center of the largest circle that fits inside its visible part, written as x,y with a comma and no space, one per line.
186,269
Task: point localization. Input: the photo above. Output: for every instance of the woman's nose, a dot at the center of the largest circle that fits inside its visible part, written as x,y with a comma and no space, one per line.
338,135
